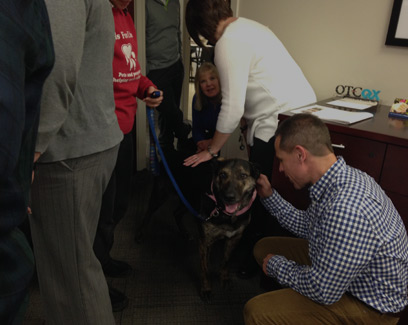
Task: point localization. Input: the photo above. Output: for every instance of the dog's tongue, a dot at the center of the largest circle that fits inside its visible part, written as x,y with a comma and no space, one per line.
231,208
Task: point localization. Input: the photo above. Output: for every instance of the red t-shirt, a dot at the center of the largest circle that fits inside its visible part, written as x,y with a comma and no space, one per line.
128,81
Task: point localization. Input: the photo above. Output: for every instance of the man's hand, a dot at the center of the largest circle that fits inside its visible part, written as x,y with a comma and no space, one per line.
265,262
36,156
263,187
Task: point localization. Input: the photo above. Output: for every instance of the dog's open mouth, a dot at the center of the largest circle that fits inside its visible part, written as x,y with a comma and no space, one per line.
232,207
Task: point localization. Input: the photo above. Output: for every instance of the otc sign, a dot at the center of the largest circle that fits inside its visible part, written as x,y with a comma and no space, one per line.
358,92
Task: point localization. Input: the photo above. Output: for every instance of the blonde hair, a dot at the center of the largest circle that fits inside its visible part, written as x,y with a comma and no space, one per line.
201,99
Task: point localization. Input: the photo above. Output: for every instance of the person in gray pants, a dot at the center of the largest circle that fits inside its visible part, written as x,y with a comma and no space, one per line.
76,148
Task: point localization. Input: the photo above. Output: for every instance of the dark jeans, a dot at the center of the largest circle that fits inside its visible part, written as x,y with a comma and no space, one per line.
115,200
170,81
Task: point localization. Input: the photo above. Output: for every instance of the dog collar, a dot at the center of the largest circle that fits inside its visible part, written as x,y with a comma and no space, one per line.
229,210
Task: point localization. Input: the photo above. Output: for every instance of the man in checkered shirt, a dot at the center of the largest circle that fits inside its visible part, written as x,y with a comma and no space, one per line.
350,262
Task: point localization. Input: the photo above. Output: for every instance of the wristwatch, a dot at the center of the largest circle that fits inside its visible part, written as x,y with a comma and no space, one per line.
214,155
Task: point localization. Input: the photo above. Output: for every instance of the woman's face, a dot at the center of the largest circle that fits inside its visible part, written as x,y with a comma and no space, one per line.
120,4
209,84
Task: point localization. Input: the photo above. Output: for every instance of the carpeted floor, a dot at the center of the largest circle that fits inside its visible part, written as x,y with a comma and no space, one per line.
164,286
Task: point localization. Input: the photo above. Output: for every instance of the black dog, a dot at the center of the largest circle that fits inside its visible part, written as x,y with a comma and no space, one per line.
226,213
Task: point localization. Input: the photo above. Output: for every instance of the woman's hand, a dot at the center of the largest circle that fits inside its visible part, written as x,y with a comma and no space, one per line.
197,159
153,102
217,142
203,145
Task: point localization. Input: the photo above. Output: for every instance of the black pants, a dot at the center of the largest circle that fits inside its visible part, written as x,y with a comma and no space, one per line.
262,223
170,81
115,200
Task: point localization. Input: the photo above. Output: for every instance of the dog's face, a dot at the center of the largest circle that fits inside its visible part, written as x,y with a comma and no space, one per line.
234,182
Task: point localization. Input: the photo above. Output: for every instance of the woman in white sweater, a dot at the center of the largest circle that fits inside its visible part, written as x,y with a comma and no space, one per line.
259,80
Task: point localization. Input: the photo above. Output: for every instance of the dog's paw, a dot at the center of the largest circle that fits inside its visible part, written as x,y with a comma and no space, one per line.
206,295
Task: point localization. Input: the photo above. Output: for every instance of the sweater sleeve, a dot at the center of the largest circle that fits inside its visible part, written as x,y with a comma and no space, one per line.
59,89
144,84
233,62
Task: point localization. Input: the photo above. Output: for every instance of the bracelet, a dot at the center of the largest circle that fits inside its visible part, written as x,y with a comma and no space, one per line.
214,155
243,128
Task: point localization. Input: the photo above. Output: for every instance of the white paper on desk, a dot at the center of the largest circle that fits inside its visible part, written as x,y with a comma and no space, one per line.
333,114
350,104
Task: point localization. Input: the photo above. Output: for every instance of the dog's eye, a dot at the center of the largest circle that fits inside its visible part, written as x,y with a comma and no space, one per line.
243,176
222,175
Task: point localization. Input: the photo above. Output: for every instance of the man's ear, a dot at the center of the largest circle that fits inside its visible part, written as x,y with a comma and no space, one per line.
300,153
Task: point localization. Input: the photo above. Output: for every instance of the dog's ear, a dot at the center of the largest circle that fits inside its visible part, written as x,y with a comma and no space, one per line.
255,170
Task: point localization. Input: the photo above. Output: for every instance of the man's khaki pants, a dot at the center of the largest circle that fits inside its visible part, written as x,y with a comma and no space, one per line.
286,306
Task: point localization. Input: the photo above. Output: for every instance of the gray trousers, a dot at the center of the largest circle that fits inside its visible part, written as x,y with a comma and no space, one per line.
66,202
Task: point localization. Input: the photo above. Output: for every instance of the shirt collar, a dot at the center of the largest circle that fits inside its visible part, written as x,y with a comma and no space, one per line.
316,190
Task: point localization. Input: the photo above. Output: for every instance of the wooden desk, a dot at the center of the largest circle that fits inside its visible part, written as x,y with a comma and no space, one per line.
378,146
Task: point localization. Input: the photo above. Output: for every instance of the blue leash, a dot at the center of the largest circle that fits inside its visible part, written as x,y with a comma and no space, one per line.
154,163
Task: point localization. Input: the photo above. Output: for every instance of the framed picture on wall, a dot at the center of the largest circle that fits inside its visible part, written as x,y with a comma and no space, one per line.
398,28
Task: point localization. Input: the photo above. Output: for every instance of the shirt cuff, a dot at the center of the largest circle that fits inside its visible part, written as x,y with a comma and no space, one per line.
273,265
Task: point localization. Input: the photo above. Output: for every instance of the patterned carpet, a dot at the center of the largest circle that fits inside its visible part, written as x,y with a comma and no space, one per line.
164,286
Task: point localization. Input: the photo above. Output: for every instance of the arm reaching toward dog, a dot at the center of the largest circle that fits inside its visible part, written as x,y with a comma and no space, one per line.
265,263
217,142
263,186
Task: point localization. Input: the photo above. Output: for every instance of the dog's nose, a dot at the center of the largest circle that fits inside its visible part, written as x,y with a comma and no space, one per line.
229,198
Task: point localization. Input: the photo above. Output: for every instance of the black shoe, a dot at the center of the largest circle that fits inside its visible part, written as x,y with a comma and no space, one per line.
116,269
118,299
248,269
246,273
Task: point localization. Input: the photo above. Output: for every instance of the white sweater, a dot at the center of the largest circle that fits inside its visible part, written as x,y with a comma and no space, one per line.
259,79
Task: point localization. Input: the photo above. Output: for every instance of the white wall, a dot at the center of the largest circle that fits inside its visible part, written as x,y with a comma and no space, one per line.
337,42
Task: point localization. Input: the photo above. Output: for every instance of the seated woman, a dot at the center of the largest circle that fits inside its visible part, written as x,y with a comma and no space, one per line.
206,105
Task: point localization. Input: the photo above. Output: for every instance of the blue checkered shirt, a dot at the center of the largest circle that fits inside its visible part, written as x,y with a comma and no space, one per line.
357,242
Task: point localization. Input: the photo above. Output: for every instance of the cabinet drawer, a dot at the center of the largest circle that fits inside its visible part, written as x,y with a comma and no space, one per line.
394,177
364,154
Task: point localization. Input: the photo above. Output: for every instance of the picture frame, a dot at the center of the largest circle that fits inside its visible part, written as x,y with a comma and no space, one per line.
398,28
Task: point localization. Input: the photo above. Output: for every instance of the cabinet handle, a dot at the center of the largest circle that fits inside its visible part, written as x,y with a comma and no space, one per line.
338,146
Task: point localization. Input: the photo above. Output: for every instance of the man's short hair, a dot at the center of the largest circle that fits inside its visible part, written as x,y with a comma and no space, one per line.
307,131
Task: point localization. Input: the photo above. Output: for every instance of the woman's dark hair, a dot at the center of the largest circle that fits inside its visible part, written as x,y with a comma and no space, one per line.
203,16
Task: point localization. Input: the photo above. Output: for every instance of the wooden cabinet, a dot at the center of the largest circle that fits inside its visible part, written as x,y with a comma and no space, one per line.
378,146
362,153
